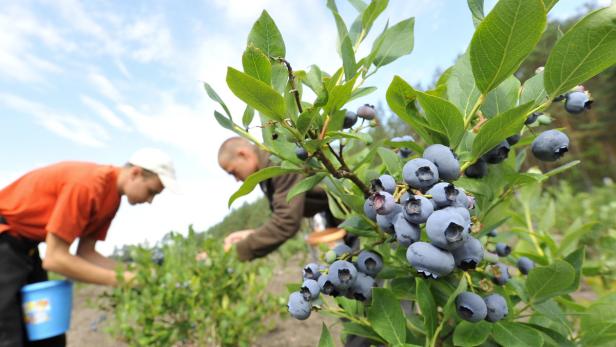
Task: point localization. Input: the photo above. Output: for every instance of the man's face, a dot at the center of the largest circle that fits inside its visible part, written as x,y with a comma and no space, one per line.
141,187
241,165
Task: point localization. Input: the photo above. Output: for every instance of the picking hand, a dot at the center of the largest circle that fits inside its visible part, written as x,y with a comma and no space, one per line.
236,237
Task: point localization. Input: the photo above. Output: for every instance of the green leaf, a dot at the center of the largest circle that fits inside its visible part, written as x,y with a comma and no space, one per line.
476,7
214,96
561,168
449,307
544,282
461,88
598,324
371,13
249,114
256,94
280,77
394,42
359,5
223,121
326,338
254,179
573,234
391,160
499,128
512,334
361,330
501,98
426,303
533,90
385,316
558,339
549,4
305,185
443,117
304,121
257,64
588,48
471,334
503,39
576,259
338,96
361,92
344,42
266,36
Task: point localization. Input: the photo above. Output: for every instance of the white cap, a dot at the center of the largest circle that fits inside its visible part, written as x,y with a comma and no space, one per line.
159,163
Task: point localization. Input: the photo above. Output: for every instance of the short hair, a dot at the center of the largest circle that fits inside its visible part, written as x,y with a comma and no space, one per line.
231,145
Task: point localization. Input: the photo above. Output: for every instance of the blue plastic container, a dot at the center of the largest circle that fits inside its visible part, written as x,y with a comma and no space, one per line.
47,308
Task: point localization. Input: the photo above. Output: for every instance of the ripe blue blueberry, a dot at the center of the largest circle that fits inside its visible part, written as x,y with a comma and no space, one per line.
384,183
502,249
342,274
498,153
497,307
362,288
532,118
500,273
429,260
477,170
406,233
420,173
471,307
158,257
576,102
446,194
417,209
301,153
513,139
341,250
386,222
550,145
298,307
383,202
369,263
469,255
369,210
462,211
310,290
404,198
446,229
445,161
326,286
311,271
525,265
492,233
366,112
350,118
404,152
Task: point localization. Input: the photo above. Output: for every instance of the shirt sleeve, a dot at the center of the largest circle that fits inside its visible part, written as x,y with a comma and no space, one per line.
71,212
282,225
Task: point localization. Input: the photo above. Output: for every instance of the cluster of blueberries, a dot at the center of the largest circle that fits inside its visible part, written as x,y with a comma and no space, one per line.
443,208
355,280
550,145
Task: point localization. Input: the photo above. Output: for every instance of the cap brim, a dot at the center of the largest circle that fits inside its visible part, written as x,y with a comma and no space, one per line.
170,184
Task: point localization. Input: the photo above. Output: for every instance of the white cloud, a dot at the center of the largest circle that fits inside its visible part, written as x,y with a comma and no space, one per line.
104,112
104,86
76,129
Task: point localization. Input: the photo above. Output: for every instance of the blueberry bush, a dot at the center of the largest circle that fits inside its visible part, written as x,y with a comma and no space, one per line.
432,269
176,300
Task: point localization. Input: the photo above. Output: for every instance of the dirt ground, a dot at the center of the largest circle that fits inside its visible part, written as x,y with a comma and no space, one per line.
87,322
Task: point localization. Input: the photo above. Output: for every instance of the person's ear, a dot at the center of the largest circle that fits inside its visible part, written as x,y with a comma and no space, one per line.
135,171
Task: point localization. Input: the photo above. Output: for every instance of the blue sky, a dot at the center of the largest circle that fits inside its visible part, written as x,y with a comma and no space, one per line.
96,80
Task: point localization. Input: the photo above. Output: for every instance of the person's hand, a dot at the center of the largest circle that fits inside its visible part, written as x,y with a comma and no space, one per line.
129,276
201,256
236,237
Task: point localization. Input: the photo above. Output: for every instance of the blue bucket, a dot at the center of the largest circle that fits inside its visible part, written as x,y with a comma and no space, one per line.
47,308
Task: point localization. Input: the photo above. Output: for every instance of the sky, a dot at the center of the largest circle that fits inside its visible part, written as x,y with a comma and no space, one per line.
97,80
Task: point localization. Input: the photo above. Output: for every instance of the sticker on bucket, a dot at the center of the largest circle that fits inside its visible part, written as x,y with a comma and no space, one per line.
37,311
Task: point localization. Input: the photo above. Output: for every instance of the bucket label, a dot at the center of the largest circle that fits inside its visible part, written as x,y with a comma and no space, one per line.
36,311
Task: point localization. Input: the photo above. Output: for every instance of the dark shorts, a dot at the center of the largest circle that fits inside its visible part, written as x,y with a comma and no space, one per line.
20,264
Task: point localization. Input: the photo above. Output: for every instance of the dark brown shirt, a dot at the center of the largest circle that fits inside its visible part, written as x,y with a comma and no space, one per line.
286,216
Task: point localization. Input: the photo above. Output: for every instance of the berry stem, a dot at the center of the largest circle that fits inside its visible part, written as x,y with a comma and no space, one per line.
531,230
469,280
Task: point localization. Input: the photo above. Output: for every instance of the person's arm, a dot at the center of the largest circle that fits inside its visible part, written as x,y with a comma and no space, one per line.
87,250
282,225
58,259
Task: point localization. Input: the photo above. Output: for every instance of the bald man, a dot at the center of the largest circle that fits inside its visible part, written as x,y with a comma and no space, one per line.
240,158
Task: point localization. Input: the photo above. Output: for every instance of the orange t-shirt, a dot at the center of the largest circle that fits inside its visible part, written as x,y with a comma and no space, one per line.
69,199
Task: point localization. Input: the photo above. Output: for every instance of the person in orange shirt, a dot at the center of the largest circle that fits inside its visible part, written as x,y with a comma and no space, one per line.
57,204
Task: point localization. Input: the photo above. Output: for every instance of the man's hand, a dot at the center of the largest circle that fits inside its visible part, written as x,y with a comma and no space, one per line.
236,237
